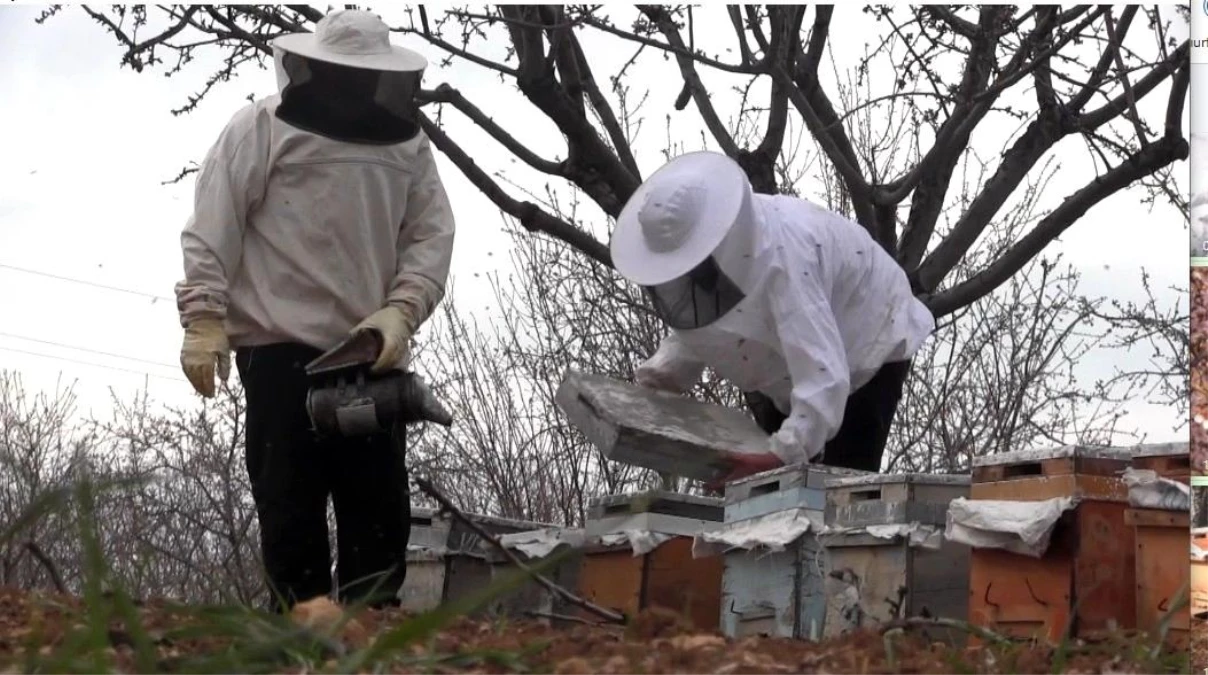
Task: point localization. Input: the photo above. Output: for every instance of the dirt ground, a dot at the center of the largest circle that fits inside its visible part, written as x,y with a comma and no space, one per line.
1199,645
653,643
1199,369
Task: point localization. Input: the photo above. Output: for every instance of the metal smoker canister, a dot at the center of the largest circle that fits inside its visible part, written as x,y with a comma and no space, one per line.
356,405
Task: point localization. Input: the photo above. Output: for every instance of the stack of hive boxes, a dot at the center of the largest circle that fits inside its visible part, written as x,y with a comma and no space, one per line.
1160,502
554,552
638,555
424,587
471,564
1070,564
773,582
887,553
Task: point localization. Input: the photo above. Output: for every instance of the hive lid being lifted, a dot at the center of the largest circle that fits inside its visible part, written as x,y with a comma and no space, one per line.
895,478
657,430
1063,452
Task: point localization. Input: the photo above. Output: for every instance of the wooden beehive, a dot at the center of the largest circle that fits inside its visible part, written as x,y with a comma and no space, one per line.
1085,581
561,566
1162,578
470,561
1168,460
423,588
1199,571
612,576
878,571
776,593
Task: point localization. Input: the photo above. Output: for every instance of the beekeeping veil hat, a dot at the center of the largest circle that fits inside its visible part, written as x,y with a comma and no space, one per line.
687,237
347,81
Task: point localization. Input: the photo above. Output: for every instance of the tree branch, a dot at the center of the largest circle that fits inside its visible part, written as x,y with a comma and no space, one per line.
661,18
448,507
1019,68
806,94
1148,160
963,28
447,94
591,164
47,564
1117,38
530,216
436,41
1044,132
744,48
1099,72
932,188
677,51
1144,86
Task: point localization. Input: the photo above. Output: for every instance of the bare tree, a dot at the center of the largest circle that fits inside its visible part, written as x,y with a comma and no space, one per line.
1093,73
1001,377
40,443
188,531
889,135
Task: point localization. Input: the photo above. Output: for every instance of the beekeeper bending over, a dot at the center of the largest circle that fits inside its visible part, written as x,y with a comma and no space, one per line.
795,305
318,212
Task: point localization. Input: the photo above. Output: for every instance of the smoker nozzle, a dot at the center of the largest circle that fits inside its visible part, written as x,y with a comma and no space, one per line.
427,407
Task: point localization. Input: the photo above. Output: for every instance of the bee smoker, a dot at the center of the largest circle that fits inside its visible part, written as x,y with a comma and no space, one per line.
346,399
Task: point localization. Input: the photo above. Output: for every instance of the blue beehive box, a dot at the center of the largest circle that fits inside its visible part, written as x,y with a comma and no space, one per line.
773,582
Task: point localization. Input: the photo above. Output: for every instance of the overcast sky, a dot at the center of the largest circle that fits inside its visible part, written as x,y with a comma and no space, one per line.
86,146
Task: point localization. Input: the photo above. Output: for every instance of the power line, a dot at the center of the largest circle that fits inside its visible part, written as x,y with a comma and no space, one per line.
82,282
86,349
92,364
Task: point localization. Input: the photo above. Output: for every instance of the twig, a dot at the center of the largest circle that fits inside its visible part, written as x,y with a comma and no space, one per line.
940,622
536,614
448,507
47,564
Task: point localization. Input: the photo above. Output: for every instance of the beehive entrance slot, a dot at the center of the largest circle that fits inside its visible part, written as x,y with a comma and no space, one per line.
1179,462
765,488
1025,469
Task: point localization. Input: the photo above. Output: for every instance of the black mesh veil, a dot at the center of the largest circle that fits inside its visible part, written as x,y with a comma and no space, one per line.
697,298
356,105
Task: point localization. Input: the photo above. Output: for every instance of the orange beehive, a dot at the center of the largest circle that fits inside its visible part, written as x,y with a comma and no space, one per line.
1168,460
614,577
1162,578
1199,571
1085,581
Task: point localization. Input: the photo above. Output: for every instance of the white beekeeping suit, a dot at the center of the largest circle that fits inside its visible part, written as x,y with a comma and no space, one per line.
774,293
319,209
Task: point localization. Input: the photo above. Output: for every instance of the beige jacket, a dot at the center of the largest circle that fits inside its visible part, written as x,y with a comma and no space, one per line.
296,238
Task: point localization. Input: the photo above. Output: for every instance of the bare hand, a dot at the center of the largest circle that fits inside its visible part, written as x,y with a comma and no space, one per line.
743,464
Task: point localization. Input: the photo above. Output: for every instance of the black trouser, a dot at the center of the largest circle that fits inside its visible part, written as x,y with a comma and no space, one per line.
293,472
867,417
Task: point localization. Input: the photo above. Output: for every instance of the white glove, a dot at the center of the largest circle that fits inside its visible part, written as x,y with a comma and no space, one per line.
396,326
205,352
656,379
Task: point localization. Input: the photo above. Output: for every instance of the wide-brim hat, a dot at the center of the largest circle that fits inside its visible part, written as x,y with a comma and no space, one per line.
721,194
353,38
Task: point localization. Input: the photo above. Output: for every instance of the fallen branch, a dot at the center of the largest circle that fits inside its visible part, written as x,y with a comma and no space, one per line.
564,617
48,565
940,622
448,507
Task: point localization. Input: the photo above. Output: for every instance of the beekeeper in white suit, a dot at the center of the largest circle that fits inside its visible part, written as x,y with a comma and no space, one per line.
318,211
795,305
